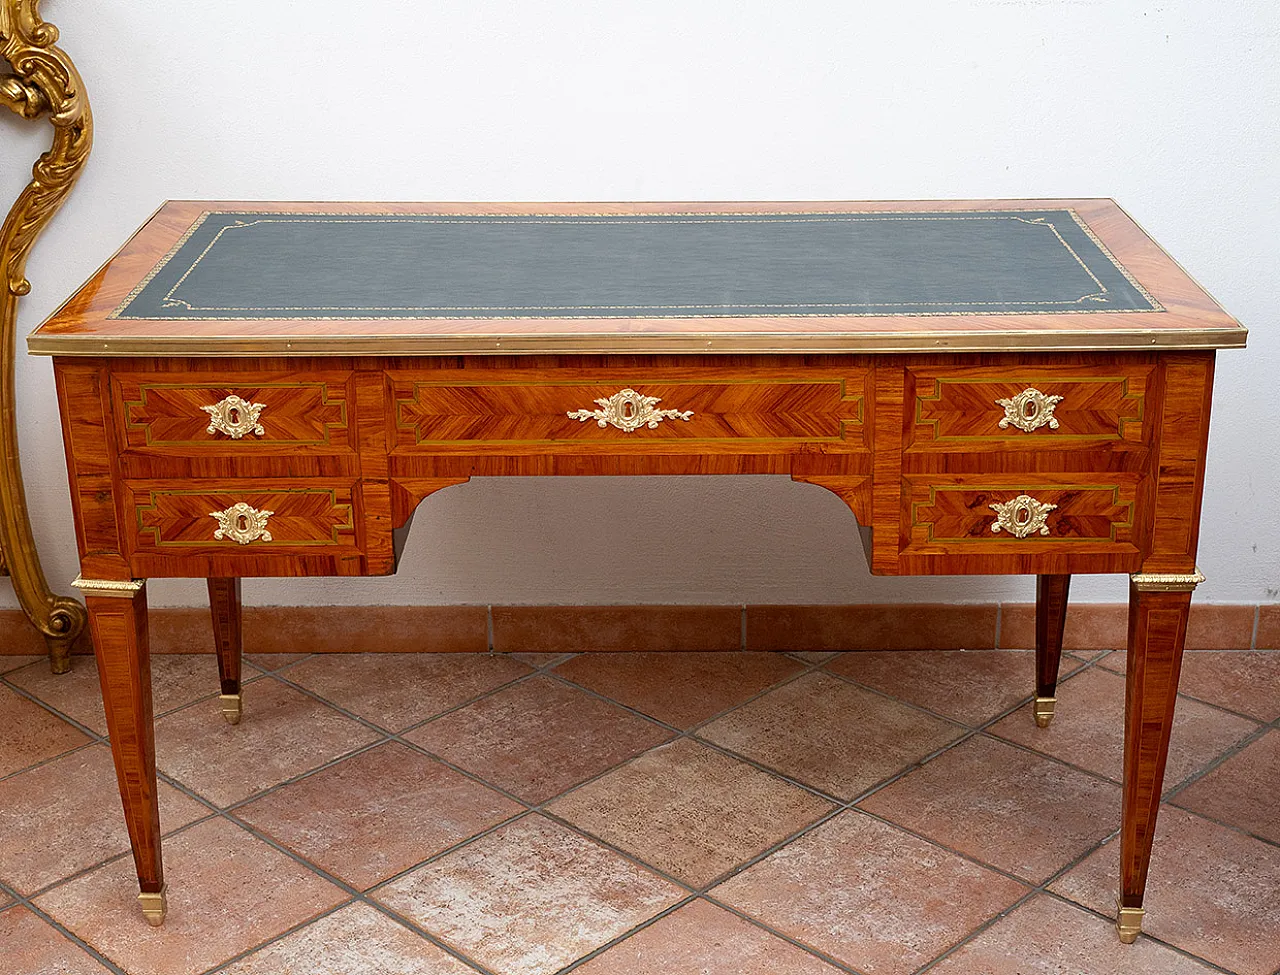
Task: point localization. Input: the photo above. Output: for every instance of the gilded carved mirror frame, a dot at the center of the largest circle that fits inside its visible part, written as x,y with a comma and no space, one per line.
38,81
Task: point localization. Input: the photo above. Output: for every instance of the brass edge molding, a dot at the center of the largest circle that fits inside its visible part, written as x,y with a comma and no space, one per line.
125,588
638,343
41,81
1166,581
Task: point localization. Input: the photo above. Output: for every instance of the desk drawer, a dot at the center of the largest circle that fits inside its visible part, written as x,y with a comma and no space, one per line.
1027,407
628,412
254,415
1020,514
250,519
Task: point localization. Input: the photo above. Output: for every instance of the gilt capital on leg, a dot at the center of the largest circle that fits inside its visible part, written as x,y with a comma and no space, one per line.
1167,581
109,588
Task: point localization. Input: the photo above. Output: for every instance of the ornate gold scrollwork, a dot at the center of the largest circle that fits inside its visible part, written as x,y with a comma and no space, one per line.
242,523
1029,410
629,411
1022,516
235,417
42,80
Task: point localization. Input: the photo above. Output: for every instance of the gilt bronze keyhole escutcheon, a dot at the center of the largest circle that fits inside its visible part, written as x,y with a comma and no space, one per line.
1029,410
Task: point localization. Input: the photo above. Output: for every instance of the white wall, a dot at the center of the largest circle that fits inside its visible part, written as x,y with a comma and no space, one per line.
1173,108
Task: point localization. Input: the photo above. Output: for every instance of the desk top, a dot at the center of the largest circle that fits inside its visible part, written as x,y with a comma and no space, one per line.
484,278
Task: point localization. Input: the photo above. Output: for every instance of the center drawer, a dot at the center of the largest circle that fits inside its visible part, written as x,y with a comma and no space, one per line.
490,411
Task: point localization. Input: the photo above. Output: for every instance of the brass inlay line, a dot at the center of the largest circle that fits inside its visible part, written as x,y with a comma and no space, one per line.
940,381
323,387
1116,501
414,428
155,530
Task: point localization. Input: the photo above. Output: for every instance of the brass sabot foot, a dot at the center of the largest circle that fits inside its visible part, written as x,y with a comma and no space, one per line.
232,706
1042,708
1129,923
154,906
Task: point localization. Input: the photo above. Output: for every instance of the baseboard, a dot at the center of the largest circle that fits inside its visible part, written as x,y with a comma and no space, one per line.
565,629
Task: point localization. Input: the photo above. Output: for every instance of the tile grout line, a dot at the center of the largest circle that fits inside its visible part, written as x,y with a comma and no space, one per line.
328,912
1144,934
756,922
1043,888
19,900
1213,764
979,930
353,893
546,668
83,746
1191,697
614,942
840,806
389,736
555,663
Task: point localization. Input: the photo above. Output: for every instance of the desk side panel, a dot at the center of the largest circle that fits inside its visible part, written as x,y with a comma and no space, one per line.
1182,445
84,403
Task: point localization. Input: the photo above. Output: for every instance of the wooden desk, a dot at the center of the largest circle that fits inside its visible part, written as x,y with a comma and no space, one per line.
255,389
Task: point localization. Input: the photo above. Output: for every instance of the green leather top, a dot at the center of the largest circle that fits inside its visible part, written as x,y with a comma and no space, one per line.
244,265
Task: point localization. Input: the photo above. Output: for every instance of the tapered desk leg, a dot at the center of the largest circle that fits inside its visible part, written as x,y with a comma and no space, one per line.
1158,606
1051,620
224,603
118,621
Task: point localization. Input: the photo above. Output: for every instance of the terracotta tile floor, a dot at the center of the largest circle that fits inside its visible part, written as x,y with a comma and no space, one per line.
646,814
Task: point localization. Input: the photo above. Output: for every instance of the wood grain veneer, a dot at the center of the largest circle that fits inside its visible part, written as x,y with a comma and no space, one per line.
1191,318
360,433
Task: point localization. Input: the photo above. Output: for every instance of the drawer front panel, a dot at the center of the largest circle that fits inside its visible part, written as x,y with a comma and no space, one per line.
243,519
1049,407
1069,513
630,413
260,415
